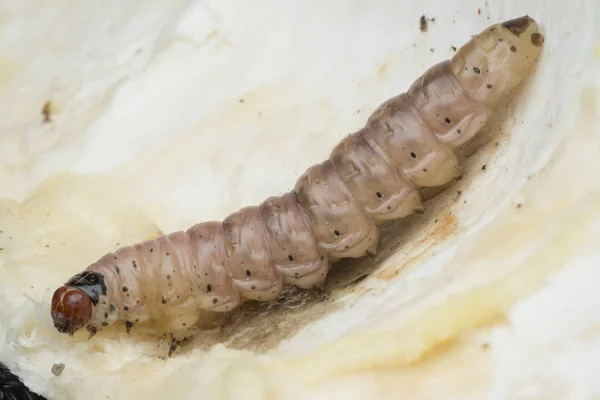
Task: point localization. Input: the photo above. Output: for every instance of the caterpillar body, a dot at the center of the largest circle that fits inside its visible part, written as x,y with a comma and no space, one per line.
334,211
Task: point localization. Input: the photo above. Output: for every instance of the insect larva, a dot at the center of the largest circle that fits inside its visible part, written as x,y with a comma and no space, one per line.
333,212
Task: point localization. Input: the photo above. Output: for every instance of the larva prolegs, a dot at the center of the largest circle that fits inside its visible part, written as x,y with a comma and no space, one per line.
335,210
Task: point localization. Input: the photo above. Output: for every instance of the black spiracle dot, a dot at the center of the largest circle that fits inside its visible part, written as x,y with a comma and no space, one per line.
253,287
117,268
112,308
167,254
336,233
105,315
125,288
126,308
290,257
476,70
164,301
513,49
208,288
447,120
459,131
151,250
413,155
489,86
248,273
378,194
168,276
215,300
134,264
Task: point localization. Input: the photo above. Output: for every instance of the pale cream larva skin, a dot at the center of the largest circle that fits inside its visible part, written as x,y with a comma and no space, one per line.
336,207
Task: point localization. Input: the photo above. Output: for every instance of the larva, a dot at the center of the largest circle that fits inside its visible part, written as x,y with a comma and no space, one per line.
334,211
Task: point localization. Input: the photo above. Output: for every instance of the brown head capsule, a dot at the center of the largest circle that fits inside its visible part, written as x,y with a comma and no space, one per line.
71,309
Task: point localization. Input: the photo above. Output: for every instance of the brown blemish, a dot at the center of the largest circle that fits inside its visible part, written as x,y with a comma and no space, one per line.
382,69
445,228
47,111
518,26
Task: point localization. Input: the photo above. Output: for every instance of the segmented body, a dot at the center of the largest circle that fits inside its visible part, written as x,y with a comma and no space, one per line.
335,208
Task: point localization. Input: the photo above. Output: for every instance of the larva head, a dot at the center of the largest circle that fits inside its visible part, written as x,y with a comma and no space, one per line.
73,304
497,60
71,309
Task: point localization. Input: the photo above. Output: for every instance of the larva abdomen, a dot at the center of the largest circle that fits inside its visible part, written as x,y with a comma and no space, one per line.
334,211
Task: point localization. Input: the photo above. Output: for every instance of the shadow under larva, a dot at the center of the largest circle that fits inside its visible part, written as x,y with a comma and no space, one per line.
275,258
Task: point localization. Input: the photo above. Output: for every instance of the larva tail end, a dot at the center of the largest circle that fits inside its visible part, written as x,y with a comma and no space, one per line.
71,309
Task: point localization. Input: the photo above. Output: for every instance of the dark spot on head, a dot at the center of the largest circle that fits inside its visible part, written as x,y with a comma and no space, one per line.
513,49
290,257
413,155
476,70
248,273
378,194
447,120
518,26
92,283
336,233
484,167
208,288
537,39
